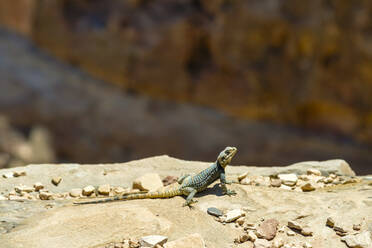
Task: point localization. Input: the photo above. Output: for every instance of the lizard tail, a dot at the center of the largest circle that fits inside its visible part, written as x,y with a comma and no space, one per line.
149,195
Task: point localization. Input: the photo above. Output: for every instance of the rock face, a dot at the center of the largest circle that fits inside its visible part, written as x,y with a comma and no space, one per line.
189,51
265,53
39,223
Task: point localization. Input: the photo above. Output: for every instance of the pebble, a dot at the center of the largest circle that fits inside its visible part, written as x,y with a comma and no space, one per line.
104,189
19,173
242,176
88,190
252,236
240,221
290,233
43,195
75,192
308,187
23,188
288,179
8,174
153,240
233,215
214,211
285,187
276,182
38,186
243,238
56,180
294,225
330,222
148,182
306,231
357,227
120,190
262,243
307,245
267,229
313,171
278,243
361,240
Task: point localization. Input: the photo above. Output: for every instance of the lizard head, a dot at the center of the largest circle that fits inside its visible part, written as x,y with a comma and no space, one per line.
226,155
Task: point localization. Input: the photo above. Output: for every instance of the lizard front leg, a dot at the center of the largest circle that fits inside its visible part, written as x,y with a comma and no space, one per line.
190,192
225,190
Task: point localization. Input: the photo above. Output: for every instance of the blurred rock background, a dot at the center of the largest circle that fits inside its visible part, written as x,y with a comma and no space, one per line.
282,80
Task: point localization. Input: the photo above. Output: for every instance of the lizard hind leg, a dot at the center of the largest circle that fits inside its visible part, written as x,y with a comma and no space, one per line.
190,192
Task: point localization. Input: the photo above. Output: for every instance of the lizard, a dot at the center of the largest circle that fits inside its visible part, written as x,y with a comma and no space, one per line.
188,185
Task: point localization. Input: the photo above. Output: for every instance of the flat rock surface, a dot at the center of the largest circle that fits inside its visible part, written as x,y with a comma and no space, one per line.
41,223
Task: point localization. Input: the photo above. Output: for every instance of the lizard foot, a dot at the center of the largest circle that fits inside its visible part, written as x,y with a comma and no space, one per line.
230,192
189,204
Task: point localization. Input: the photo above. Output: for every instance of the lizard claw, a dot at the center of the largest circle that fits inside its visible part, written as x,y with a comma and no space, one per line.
188,204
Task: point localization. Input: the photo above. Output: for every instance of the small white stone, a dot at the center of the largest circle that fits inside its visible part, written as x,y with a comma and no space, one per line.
120,190
288,179
148,182
104,189
38,186
262,243
153,240
75,192
294,225
233,215
285,187
88,190
290,233
3,198
278,243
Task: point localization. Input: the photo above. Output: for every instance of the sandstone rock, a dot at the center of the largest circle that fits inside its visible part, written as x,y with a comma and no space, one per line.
104,189
19,173
308,187
214,211
75,192
262,243
243,238
23,188
88,190
306,231
240,221
288,179
313,171
56,180
148,182
276,182
361,240
120,190
45,195
233,215
291,233
191,241
330,222
267,229
153,240
38,186
294,225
